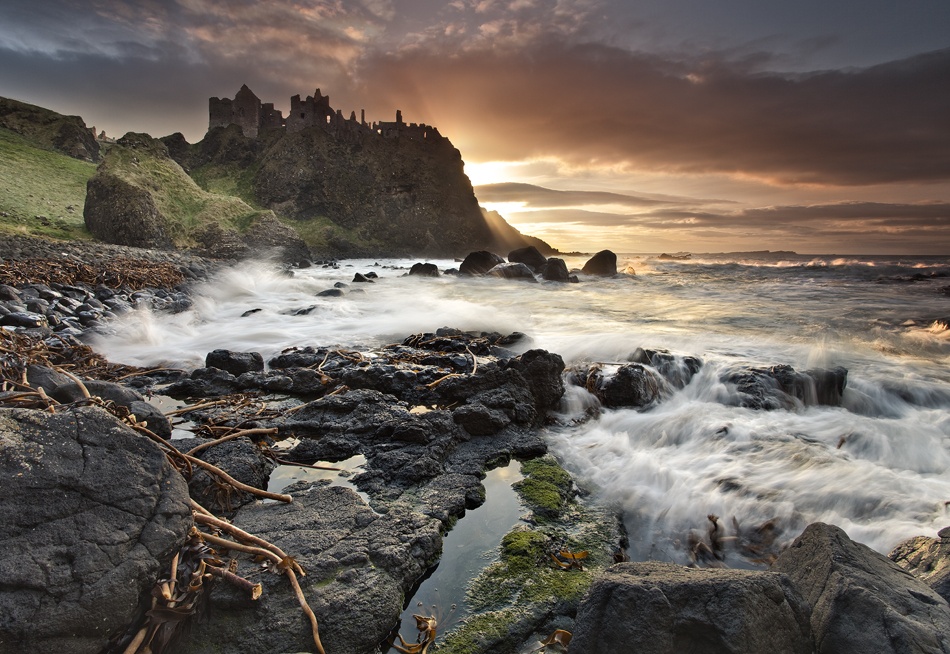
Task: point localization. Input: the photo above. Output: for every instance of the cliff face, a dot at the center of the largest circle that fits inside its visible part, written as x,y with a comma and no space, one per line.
353,193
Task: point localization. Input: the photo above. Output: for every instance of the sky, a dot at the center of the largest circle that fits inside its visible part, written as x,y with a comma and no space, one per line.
634,125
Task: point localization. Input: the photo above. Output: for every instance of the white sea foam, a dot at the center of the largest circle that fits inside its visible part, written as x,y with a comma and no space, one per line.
878,466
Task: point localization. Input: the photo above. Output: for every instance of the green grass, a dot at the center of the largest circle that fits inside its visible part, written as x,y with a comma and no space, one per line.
228,180
41,192
177,196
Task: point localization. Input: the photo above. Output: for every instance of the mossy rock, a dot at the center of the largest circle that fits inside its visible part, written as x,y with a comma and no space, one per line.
546,489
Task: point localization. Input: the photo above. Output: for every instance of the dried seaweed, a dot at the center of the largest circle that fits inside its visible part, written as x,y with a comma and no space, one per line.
119,272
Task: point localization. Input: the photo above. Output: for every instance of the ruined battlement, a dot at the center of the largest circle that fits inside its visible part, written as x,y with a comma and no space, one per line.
247,111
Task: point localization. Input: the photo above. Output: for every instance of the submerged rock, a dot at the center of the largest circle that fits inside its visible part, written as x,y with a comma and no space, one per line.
424,270
661,608
862,601
79,549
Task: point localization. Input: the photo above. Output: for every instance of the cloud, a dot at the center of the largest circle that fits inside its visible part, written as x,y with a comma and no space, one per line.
592,104
538,196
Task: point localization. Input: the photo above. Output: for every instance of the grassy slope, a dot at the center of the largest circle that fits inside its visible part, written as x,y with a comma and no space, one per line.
186,205
38,187
320,234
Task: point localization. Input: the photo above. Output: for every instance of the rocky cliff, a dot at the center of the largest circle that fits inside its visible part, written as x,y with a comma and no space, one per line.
66,134
351,194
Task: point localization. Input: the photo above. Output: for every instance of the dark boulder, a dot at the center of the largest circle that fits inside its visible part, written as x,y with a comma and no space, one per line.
479,420
479,263
631,385
81,550
360,278
661,608
424,270
235,363
517,271
555,270
928,559
240,458
862,601
603,263
121,213
529,256
204,382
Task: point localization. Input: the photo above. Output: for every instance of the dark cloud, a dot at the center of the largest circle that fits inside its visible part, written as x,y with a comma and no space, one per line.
593,104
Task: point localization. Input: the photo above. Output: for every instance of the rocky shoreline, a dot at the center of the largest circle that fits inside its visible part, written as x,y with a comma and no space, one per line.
85,553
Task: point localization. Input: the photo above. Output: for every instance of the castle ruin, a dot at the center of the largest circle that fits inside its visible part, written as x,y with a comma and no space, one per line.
247,111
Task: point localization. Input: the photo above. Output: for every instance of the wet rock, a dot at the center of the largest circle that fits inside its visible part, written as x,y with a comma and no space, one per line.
661,608
517,271
119,395
862,601
676,370
782,387
362,279
240,458
631,385
479,263
424,270
354,558
79,550
603,263
529,256
235,363
204,382
479,420
928,559
555,270
26,319
331,292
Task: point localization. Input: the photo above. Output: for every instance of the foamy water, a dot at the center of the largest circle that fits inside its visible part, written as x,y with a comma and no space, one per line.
877,467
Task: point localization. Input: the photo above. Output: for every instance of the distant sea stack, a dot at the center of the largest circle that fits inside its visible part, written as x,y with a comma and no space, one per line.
349,187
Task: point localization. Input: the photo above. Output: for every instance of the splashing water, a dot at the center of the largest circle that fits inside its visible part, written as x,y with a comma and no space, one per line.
876,466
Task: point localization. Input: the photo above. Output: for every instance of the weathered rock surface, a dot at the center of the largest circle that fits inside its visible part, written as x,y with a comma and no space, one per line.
359,564
631,385
862,601
928,559
235,363
661,608
123,214
77,549
603,263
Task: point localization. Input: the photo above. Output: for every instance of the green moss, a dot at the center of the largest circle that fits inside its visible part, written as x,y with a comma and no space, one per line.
42,192
480,633
547,469
523,549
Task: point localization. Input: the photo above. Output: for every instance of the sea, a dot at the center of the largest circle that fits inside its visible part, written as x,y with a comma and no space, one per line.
878,466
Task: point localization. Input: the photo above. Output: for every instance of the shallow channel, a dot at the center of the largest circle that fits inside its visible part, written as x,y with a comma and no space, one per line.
467,549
